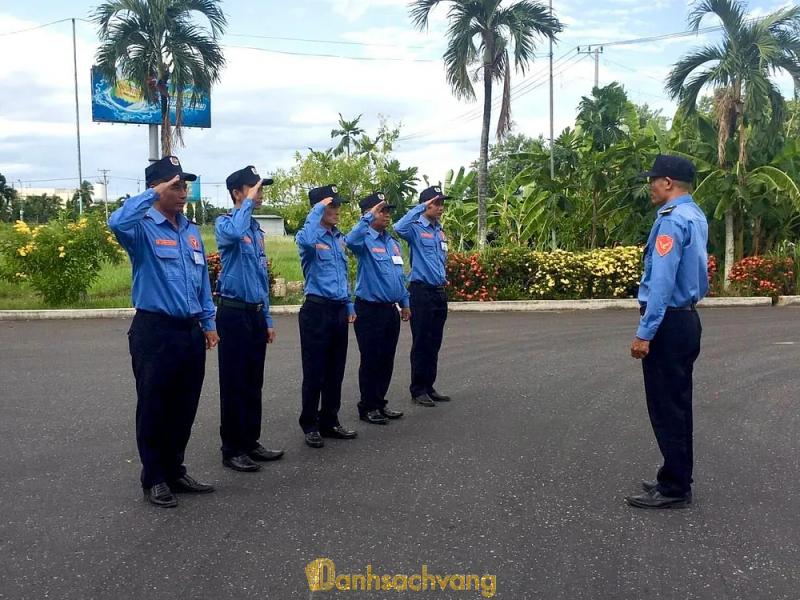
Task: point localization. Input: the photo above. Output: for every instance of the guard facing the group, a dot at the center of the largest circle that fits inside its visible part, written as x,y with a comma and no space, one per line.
324,317
421,228
668,339
380,287
172,329
244,324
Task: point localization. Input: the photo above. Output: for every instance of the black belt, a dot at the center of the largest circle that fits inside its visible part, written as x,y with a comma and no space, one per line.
427,286
237,304
689,308
320,300
372,303
165,320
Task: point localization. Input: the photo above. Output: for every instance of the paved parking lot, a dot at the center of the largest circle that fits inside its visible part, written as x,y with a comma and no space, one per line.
521,476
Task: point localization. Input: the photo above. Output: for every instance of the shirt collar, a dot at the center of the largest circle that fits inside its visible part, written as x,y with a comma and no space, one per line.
686,198
425,220
374,233
159,218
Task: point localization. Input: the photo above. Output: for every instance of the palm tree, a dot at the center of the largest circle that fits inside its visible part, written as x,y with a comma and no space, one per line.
348,131
482,35
158,45
739,68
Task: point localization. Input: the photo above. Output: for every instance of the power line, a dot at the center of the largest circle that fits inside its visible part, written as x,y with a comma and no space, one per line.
317,41
339,56
36,27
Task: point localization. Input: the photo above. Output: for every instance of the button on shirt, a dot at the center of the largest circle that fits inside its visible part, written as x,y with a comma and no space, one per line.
244,274
170,275
323,259
380,264
675,263
428,246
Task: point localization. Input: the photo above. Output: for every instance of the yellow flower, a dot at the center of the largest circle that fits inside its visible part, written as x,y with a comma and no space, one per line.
61,248
61,255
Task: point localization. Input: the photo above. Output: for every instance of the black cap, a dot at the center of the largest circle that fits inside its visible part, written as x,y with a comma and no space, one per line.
165,169
432,192
373,200
674,167
246,176
326,191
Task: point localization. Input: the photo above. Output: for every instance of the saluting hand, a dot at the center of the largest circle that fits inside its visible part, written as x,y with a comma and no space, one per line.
405,314
270,335
165,185
212,339
640,348
326,201
375,210
255,191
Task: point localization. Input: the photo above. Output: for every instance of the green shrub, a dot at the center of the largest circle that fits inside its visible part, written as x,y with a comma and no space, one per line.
60,260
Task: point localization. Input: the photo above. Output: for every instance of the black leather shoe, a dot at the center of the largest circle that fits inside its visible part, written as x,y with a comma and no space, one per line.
189,485
423,400
652,486
262,454
656,499
391,414
438,397
375,417
241,463
160,495
314,439
338,432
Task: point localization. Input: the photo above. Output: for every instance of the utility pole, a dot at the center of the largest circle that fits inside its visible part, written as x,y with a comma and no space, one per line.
105,173
77,116
596,51
552,155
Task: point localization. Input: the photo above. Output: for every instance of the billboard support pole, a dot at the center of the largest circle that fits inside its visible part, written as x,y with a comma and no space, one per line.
154,154
77,117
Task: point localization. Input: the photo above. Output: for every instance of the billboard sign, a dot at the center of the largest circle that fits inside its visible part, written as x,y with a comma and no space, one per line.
124,103
193,193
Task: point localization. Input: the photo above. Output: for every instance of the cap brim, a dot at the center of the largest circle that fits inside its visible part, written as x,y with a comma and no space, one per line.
267,182
189,177
337,200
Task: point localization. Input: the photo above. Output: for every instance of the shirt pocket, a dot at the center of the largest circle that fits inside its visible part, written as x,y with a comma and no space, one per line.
325,255
169,260
429,244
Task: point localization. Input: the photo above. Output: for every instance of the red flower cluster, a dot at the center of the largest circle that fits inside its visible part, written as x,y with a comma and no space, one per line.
713,267
214,265
764,275
467,279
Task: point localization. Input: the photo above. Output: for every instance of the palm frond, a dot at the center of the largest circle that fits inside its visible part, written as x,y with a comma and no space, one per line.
730,12
420,11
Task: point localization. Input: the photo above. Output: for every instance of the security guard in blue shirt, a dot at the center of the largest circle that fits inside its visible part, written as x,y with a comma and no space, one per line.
172,329
244,323
324,317
380,287
668,338
428,245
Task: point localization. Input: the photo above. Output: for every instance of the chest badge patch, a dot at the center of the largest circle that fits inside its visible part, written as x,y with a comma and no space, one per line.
664,244
195,244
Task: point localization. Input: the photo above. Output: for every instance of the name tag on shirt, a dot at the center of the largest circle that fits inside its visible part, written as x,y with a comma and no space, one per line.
398,260
198,258
444,246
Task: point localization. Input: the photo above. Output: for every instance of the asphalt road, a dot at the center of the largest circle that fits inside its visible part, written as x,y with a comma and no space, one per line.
521,476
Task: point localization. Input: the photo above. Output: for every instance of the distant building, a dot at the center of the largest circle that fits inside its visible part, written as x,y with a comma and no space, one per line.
63,194
271,224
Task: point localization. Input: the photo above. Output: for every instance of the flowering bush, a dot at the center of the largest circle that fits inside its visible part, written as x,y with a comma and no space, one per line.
60,260
764,276
521,274
467,279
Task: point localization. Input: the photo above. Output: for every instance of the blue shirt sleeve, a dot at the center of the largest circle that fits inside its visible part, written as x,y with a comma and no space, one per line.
666,256
403,226
208,316
124,220
230,228
308,235
355,239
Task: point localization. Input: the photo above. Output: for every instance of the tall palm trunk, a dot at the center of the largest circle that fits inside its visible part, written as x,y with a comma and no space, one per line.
483,160
166,127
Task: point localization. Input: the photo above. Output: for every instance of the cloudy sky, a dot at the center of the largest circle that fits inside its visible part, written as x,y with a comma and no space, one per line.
277,95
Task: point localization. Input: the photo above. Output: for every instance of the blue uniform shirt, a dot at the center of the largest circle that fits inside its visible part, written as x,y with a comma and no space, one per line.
428,246
244,273
170,275
380,264
675,263
323,258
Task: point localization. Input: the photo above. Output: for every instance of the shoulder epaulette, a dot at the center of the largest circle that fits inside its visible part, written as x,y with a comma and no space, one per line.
667,211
